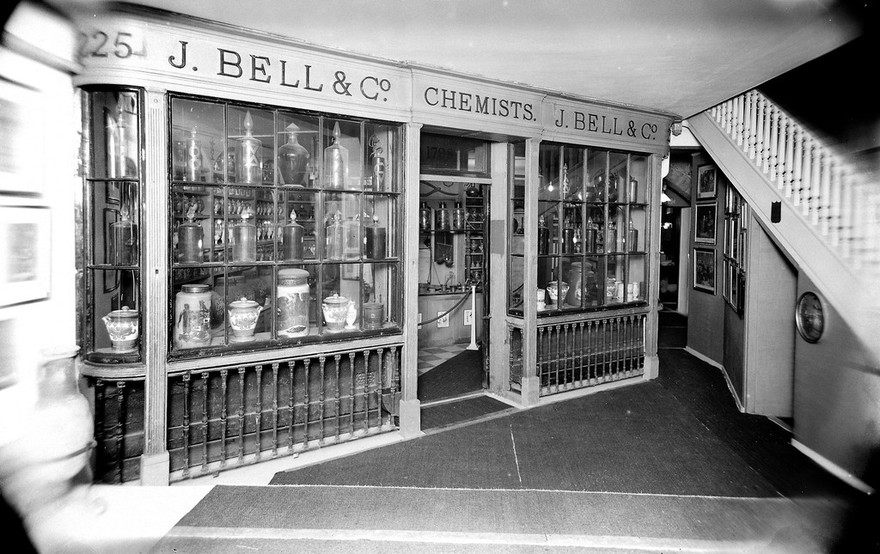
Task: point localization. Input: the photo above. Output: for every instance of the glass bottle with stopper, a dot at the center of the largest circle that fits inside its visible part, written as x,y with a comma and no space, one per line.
377,164
250,161
336,162
334,237
124,239
293,159
193,157
292,239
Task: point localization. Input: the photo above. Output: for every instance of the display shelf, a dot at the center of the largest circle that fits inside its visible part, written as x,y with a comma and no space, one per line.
305,203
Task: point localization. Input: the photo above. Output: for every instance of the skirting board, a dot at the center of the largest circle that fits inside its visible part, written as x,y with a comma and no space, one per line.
834,469
713,363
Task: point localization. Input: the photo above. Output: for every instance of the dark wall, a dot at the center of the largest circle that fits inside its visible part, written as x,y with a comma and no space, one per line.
835,95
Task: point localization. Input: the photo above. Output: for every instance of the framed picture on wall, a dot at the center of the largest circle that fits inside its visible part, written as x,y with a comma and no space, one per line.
25,247
705,223
704,270
706,182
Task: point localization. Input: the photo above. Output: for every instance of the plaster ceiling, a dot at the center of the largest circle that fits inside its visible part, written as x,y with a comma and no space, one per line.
675,56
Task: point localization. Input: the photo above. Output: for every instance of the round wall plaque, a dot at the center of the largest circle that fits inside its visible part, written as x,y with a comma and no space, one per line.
810,317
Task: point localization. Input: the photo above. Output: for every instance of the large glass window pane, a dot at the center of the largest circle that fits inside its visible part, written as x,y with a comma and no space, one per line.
291,235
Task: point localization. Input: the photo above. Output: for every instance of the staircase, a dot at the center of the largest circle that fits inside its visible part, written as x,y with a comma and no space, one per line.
829,222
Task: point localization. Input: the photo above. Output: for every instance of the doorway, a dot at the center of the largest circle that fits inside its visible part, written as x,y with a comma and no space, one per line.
453,288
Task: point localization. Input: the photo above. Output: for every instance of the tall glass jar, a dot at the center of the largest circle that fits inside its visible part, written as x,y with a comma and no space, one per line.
292,240
293,303
374,240
189,239
334,237
336,162
250,161
192,316
124,241
244,234
293,159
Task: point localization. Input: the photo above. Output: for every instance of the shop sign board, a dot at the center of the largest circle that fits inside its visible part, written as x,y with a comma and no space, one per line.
438,97
578,121
174,53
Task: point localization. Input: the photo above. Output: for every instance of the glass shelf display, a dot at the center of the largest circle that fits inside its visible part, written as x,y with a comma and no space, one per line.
111,293
287,232
591,222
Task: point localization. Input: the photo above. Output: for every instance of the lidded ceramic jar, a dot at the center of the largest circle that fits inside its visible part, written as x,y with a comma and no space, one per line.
243,315
292,303
557,290
123,328
335,309
374,315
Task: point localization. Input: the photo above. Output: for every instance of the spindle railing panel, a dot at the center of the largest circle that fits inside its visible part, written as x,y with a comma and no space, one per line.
579,354
119,430
827,191
227,417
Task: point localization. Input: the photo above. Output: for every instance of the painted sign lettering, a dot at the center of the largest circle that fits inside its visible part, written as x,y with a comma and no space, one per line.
480,104
604,124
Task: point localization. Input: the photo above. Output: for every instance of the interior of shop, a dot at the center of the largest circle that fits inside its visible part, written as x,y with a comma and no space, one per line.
452,266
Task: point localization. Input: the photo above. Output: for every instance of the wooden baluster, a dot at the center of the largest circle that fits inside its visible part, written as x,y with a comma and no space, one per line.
395,379
120,430
224,374
789,159
322,361
765,134
564,355
336,401
729,124
380,381
846,215
539,357
834,199
241,420
773,159
816,159
307,401
275,417
738,120
807,176
583,353
185,430
204,420
366,355
351,356
291,410
796,182
824,189
100,434
258,419
557,353
751,119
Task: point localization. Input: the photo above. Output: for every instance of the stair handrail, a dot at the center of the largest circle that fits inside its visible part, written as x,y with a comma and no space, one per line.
826,189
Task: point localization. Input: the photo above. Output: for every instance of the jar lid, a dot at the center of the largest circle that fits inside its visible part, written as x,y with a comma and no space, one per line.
244,303
297,276
125,311
197,287
336,299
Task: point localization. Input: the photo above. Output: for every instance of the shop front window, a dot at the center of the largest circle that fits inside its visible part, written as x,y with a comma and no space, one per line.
284,226
591,223
112,278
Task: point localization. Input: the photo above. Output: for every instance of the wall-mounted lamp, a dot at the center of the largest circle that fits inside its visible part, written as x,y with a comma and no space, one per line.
676,127
776,212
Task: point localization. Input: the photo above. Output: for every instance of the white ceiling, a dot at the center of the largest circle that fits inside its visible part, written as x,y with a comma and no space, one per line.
675,56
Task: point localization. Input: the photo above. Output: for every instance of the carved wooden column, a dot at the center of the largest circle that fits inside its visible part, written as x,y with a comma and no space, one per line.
155,460
410,407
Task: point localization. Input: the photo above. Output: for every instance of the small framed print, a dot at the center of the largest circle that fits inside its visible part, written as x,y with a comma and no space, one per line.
705,225
25,247
706,182
704,270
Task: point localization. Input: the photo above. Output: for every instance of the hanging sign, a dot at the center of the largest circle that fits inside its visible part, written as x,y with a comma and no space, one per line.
572,120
